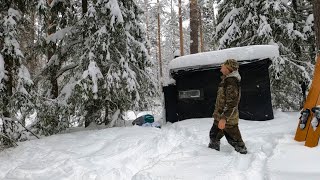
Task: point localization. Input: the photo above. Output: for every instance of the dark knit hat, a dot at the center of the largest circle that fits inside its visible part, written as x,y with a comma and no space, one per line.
231,64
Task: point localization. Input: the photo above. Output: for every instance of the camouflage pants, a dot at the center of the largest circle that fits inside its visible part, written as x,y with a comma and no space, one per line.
233,137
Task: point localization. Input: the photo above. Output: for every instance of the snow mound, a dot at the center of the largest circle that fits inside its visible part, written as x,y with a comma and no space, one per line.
253,52
176,151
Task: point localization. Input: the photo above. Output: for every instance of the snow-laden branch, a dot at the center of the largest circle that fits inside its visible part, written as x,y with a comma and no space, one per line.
65,68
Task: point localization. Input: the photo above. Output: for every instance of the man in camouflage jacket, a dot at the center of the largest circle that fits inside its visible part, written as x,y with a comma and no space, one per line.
226,113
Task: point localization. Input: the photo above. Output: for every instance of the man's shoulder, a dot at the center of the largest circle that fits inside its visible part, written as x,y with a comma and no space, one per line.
231,80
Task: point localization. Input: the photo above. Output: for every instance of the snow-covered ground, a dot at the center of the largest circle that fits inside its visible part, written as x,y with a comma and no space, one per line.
177,151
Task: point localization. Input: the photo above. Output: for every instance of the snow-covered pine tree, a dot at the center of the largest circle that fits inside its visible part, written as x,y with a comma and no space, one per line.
15,83
55,21
247,22
209,24
305,19
316,12
227,30
150,12
170,42
170,33
113,67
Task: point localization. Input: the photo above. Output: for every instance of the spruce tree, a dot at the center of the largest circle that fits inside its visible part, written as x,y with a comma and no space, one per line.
56,19
209,24
246,22
15,81
112,65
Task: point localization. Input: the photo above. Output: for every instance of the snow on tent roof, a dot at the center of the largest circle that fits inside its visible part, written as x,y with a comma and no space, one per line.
253,52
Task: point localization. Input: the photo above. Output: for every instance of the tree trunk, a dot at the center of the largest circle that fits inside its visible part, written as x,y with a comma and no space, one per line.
194,27
316,14
296,46
181,31
201,31
159,43
84,4
172,25
8,66
29,45
52,27
147,22
147,18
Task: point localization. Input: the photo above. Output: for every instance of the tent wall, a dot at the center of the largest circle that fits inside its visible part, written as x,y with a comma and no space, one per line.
255,101
170,101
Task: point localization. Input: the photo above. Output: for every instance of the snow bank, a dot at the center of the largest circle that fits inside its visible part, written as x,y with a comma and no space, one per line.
217,57
177,151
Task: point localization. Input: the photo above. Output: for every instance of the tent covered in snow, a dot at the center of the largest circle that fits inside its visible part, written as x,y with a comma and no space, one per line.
197,77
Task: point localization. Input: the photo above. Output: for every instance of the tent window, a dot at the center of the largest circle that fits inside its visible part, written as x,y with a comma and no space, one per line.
190,94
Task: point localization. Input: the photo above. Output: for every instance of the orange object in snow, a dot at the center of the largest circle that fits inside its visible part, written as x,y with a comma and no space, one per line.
314,130
304,126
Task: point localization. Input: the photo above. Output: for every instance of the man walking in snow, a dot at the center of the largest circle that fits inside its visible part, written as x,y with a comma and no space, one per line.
226,113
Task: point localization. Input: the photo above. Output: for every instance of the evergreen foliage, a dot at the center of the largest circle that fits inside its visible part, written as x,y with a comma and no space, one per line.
95,66
245,22
15,82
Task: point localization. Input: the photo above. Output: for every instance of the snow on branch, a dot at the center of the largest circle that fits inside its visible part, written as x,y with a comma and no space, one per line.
228,19
309,24
24,75
55,2
10,24
59,35
115,12
233,33
265,28
53,60
94,72
41,5
65,68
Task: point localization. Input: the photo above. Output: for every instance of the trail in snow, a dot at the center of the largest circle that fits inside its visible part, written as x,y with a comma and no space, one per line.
177,151
261,138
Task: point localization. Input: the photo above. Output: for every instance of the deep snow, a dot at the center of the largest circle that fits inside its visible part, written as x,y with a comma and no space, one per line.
245,53
177,151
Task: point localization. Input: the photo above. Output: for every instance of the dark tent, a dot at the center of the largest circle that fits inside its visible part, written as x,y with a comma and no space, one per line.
194,94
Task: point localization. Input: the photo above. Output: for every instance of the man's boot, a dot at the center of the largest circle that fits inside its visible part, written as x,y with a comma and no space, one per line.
214,145
241,149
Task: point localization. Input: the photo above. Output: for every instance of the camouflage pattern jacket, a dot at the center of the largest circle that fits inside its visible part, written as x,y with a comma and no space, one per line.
228,97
